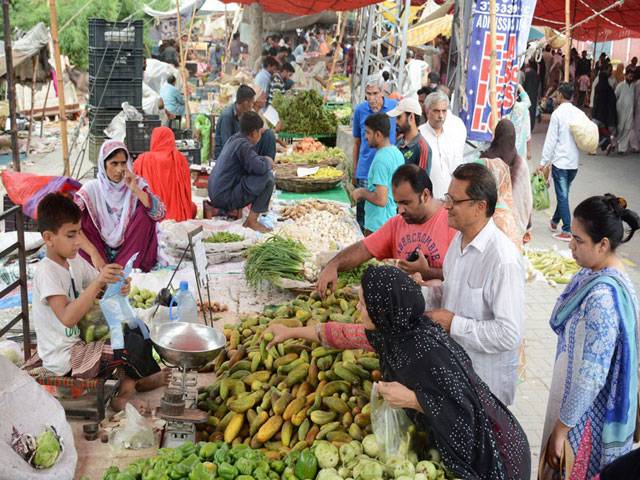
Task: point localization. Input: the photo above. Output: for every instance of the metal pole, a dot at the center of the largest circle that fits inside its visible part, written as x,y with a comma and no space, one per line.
492,68
24,298
33,95
11,86
367,50
567,50
60,80
184,60
403,48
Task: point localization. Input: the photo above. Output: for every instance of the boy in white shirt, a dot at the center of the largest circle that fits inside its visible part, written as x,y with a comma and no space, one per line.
65,287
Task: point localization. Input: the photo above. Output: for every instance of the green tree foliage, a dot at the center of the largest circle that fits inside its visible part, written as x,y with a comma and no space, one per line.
74,38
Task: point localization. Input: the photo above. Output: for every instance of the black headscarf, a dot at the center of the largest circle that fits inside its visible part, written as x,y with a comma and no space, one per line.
604,102
503,146
476,435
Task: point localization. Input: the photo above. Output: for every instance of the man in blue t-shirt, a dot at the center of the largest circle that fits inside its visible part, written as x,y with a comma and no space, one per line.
362,153
379,205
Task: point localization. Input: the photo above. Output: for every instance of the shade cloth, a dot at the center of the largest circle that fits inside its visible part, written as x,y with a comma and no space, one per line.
293,7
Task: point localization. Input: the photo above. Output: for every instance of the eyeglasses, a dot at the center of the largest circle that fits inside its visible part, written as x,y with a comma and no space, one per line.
449,200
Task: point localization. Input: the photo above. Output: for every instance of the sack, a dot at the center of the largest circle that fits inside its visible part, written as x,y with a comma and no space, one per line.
585,134
390,425
566,464
540,192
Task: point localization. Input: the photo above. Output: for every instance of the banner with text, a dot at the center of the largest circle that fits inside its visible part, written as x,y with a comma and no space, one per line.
513,22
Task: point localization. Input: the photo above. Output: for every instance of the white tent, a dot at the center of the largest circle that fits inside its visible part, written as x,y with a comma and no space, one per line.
216,6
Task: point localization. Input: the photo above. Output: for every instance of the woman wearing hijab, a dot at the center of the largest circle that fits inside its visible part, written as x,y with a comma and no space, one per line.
119,213
166,171
430,376
513,210
532,87
605,111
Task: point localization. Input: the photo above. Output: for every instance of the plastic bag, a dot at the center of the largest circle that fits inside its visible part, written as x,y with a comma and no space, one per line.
540,192
203,124
135,431
390,425
93,326
586,135
117,310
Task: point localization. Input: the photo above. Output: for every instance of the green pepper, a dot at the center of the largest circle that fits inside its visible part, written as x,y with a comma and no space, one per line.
111,473
186,449
191,461
179,471
124,476
306,465
200,472
207,450
244,477
274,476
278,466
226,471
245,466
222,454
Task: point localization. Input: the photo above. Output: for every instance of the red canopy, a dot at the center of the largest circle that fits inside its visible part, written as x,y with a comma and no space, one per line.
620,22
308,7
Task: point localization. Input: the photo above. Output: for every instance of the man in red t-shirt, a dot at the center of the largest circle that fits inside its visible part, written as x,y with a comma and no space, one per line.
421,226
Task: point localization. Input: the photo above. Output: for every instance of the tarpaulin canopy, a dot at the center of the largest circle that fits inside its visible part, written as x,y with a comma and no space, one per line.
623,21
186,10
36,39
293,7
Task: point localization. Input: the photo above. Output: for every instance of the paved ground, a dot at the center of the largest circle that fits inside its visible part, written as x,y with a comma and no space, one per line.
597,175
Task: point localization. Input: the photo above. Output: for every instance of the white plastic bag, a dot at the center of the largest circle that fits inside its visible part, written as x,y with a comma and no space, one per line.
135,433
585,134
389,424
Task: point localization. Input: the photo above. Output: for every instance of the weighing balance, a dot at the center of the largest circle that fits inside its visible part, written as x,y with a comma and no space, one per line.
185,346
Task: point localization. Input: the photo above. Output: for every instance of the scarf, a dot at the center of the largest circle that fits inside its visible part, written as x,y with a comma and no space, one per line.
475,434
167,172
619,424
110,205
503,146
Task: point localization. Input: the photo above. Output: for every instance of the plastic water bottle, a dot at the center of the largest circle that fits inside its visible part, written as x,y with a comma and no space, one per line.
187,309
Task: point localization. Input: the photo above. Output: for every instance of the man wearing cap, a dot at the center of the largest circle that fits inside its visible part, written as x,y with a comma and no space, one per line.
362,153
411,143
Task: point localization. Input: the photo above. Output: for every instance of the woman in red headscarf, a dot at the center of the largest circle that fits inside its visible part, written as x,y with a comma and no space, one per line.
166,170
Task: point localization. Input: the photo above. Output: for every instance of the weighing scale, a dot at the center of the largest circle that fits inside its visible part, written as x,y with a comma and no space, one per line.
187,347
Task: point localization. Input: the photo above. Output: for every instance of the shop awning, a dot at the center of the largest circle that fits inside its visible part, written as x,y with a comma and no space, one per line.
293,7
623,21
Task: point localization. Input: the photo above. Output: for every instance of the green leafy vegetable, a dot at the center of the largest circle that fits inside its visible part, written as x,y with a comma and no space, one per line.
278,257
47,449
304,113
224,237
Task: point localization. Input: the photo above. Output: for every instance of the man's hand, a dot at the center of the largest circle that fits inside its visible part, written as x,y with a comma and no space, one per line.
442,317
126,288
398,396
421,265
358,194
110,274
328,279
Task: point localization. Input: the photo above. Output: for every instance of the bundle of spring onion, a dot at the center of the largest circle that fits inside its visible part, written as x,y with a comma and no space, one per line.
224,237
278,257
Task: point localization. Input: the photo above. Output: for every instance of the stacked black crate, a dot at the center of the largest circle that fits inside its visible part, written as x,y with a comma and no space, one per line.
116,69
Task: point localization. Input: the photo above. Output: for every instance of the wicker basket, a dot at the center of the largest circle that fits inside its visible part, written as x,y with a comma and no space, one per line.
329,162
287,179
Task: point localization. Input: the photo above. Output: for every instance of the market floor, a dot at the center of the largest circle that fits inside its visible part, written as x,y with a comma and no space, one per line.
596,175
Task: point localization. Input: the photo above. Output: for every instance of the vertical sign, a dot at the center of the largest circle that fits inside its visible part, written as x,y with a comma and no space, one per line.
513,18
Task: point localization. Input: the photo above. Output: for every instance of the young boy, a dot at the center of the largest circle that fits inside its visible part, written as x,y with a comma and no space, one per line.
64,289
379,205
584,85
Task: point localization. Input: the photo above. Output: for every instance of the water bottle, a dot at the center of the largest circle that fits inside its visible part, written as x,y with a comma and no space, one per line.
187,310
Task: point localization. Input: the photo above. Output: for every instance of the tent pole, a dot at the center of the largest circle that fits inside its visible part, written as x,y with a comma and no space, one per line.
492,66
60,82
33,96
11,86
185,90
44,107
184,61
567,54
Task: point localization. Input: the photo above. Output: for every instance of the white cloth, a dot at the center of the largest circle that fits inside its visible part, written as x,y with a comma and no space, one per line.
625,95
54,339
484,288
416,70
110,205
447,151
559,146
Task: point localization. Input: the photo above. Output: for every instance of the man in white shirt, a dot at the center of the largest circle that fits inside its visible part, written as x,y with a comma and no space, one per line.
446,140
561,154
482,297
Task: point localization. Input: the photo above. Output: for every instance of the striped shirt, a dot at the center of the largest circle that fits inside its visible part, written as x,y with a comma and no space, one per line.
416,152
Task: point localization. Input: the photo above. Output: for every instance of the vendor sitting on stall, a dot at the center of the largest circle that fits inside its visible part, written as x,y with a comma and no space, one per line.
64,290
119,212
240,176
166,170
172,97
420,231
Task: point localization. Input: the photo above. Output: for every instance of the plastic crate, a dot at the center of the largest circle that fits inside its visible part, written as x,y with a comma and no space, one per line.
99,119
105,93
192,154
117,65
139,133
95,142
30,225
120,35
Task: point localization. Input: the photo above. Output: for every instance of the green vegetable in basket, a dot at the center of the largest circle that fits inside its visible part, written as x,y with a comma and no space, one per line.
47,449
224,237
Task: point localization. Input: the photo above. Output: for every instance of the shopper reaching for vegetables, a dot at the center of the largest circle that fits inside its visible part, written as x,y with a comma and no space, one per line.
429,375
